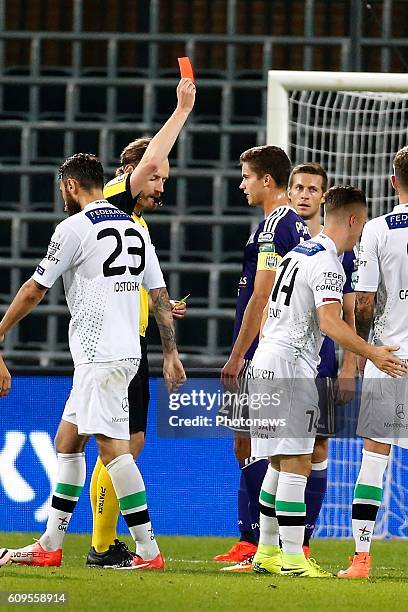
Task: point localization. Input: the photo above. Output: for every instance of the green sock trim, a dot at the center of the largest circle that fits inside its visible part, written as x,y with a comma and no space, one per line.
363,491
132,501
68,489
287,506
267,497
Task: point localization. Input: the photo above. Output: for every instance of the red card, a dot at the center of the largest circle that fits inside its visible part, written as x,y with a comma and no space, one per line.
186,68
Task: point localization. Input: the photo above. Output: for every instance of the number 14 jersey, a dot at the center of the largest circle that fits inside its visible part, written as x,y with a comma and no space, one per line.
308,277
103,258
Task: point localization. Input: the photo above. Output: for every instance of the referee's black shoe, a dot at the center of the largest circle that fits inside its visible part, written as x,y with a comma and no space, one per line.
117,555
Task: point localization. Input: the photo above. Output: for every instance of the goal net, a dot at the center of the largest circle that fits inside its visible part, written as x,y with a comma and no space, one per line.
352,124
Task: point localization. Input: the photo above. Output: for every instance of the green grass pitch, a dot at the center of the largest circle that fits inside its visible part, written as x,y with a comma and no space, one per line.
193,582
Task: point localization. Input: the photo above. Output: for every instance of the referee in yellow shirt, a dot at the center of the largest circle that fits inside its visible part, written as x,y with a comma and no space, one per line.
137,187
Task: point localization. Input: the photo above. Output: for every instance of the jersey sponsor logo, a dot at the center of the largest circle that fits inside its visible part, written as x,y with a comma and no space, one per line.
397,221
266,237
40,270
332,282
403,294
107,214
309,248
53,248
302,229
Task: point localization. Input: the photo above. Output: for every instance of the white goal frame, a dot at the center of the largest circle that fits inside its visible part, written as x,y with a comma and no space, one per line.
281,82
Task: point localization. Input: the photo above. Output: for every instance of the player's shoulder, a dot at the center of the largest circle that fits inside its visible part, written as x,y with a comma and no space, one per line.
377,224
280,220
116,186
397,218
317,253
311,248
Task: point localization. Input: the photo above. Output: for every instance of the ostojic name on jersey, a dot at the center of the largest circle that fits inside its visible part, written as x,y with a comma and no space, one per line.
97,215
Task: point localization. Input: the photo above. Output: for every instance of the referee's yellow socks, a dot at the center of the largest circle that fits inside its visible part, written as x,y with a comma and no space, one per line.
105,508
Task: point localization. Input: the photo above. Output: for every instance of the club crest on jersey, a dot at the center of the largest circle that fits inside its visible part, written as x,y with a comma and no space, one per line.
106,214
309,248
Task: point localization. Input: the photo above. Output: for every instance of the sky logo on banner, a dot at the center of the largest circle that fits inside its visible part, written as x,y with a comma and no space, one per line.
15,486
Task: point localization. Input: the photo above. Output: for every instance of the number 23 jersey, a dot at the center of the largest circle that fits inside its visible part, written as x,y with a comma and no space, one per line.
103,258
308,277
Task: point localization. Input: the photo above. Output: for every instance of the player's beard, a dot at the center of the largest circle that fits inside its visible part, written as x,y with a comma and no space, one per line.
150,202
71,206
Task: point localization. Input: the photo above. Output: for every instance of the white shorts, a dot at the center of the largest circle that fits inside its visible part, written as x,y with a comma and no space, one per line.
287,426
98,402
383,413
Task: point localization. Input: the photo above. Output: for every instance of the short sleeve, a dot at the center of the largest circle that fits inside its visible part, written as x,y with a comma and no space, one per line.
63,250
275,244
153,276
368,270
326,280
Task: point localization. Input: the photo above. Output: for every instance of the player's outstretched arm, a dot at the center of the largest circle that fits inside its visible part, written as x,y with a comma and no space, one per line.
27,298
251,323
346,376
5,378
173,371
364,315
161,144
333,325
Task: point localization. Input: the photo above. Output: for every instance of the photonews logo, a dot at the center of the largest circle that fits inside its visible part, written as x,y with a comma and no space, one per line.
15,486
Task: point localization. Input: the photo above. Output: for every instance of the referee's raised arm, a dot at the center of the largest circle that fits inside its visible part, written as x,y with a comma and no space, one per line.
162,143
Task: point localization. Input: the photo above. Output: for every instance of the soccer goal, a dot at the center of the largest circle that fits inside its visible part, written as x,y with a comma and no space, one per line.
352,124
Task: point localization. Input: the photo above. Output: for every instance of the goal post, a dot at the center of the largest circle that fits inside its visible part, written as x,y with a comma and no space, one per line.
282,82
351,123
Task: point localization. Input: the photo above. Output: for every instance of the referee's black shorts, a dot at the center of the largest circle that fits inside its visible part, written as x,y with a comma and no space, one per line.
139,394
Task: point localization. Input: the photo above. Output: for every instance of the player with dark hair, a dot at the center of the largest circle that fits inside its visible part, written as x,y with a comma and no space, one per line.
135,192
381,294
305,303
307,185
103,259
265,174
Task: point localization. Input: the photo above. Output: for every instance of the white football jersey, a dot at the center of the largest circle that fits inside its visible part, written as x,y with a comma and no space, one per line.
104,258
308,277
383,268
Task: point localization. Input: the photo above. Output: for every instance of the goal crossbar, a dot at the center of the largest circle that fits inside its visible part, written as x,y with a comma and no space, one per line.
281,82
